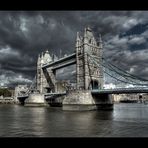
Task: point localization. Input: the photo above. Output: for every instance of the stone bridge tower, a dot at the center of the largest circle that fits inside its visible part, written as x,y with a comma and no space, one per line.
89,76
45,77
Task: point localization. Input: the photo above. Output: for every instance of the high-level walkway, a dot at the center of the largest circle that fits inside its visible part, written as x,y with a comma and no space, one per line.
62,62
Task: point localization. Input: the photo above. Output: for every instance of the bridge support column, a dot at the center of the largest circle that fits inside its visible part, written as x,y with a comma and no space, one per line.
55,101
103,101
80,100
35,100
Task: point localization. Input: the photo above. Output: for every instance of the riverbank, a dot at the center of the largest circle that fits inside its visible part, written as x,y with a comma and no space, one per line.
7,100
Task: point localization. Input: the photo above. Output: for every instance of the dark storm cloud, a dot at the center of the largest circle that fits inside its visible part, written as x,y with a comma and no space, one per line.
23,35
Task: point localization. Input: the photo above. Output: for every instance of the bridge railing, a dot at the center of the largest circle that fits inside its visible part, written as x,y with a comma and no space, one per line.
131,88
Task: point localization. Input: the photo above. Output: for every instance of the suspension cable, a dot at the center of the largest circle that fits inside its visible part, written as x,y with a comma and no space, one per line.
118,72
120,79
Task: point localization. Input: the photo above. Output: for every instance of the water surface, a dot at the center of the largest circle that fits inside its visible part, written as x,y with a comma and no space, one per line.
126,120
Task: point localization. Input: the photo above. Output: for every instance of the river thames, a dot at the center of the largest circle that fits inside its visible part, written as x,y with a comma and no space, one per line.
126,120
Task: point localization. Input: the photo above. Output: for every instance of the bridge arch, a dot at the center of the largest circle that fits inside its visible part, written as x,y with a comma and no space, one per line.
94,84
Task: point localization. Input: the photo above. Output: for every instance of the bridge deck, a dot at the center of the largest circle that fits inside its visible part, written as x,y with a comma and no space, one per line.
50,94
26,96
120,91
101,91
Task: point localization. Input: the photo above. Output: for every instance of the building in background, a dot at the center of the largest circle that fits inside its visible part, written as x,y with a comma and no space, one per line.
130,97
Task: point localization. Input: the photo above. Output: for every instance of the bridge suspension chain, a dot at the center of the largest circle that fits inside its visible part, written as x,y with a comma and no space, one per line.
125,73
32,86
121,70
122,76
107,71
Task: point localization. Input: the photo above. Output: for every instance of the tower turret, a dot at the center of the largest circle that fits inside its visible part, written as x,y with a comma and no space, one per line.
100,41
47,58
42,56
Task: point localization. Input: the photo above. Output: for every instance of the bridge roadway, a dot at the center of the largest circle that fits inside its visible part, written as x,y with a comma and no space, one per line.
110,91
63,62
49,95
101,91
120,91
20,97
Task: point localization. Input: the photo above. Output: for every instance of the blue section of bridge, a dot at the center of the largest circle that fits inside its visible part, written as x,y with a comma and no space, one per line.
108,91
63,62
120,91
100,91
50,94
20,97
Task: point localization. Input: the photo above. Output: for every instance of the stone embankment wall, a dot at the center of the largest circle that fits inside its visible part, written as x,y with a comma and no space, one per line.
7,100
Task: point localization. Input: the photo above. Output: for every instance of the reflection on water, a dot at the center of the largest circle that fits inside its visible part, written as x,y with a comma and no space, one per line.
126,120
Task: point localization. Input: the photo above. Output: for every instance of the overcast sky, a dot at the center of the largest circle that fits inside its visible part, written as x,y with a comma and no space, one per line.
23,35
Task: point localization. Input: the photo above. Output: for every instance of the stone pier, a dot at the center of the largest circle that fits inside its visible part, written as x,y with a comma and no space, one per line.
55,101
80,100
35,99
103,101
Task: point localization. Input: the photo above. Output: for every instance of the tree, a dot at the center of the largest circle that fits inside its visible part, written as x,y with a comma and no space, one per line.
5,92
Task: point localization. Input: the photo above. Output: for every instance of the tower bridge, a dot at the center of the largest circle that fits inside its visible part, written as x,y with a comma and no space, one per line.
86,74
90,69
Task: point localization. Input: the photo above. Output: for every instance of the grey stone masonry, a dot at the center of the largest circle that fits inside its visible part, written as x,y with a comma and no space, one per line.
88,75
79,100
45,77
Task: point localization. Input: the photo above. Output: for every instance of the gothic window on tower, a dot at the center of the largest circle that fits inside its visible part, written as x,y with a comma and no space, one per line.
89,41
97,72
79,51
94,50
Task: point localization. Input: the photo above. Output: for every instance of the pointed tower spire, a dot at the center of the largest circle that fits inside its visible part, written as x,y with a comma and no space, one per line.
100,41
60,56
42,57
47,58
85,35
100,38
78,36
78,40
52,57
88,28
39,60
